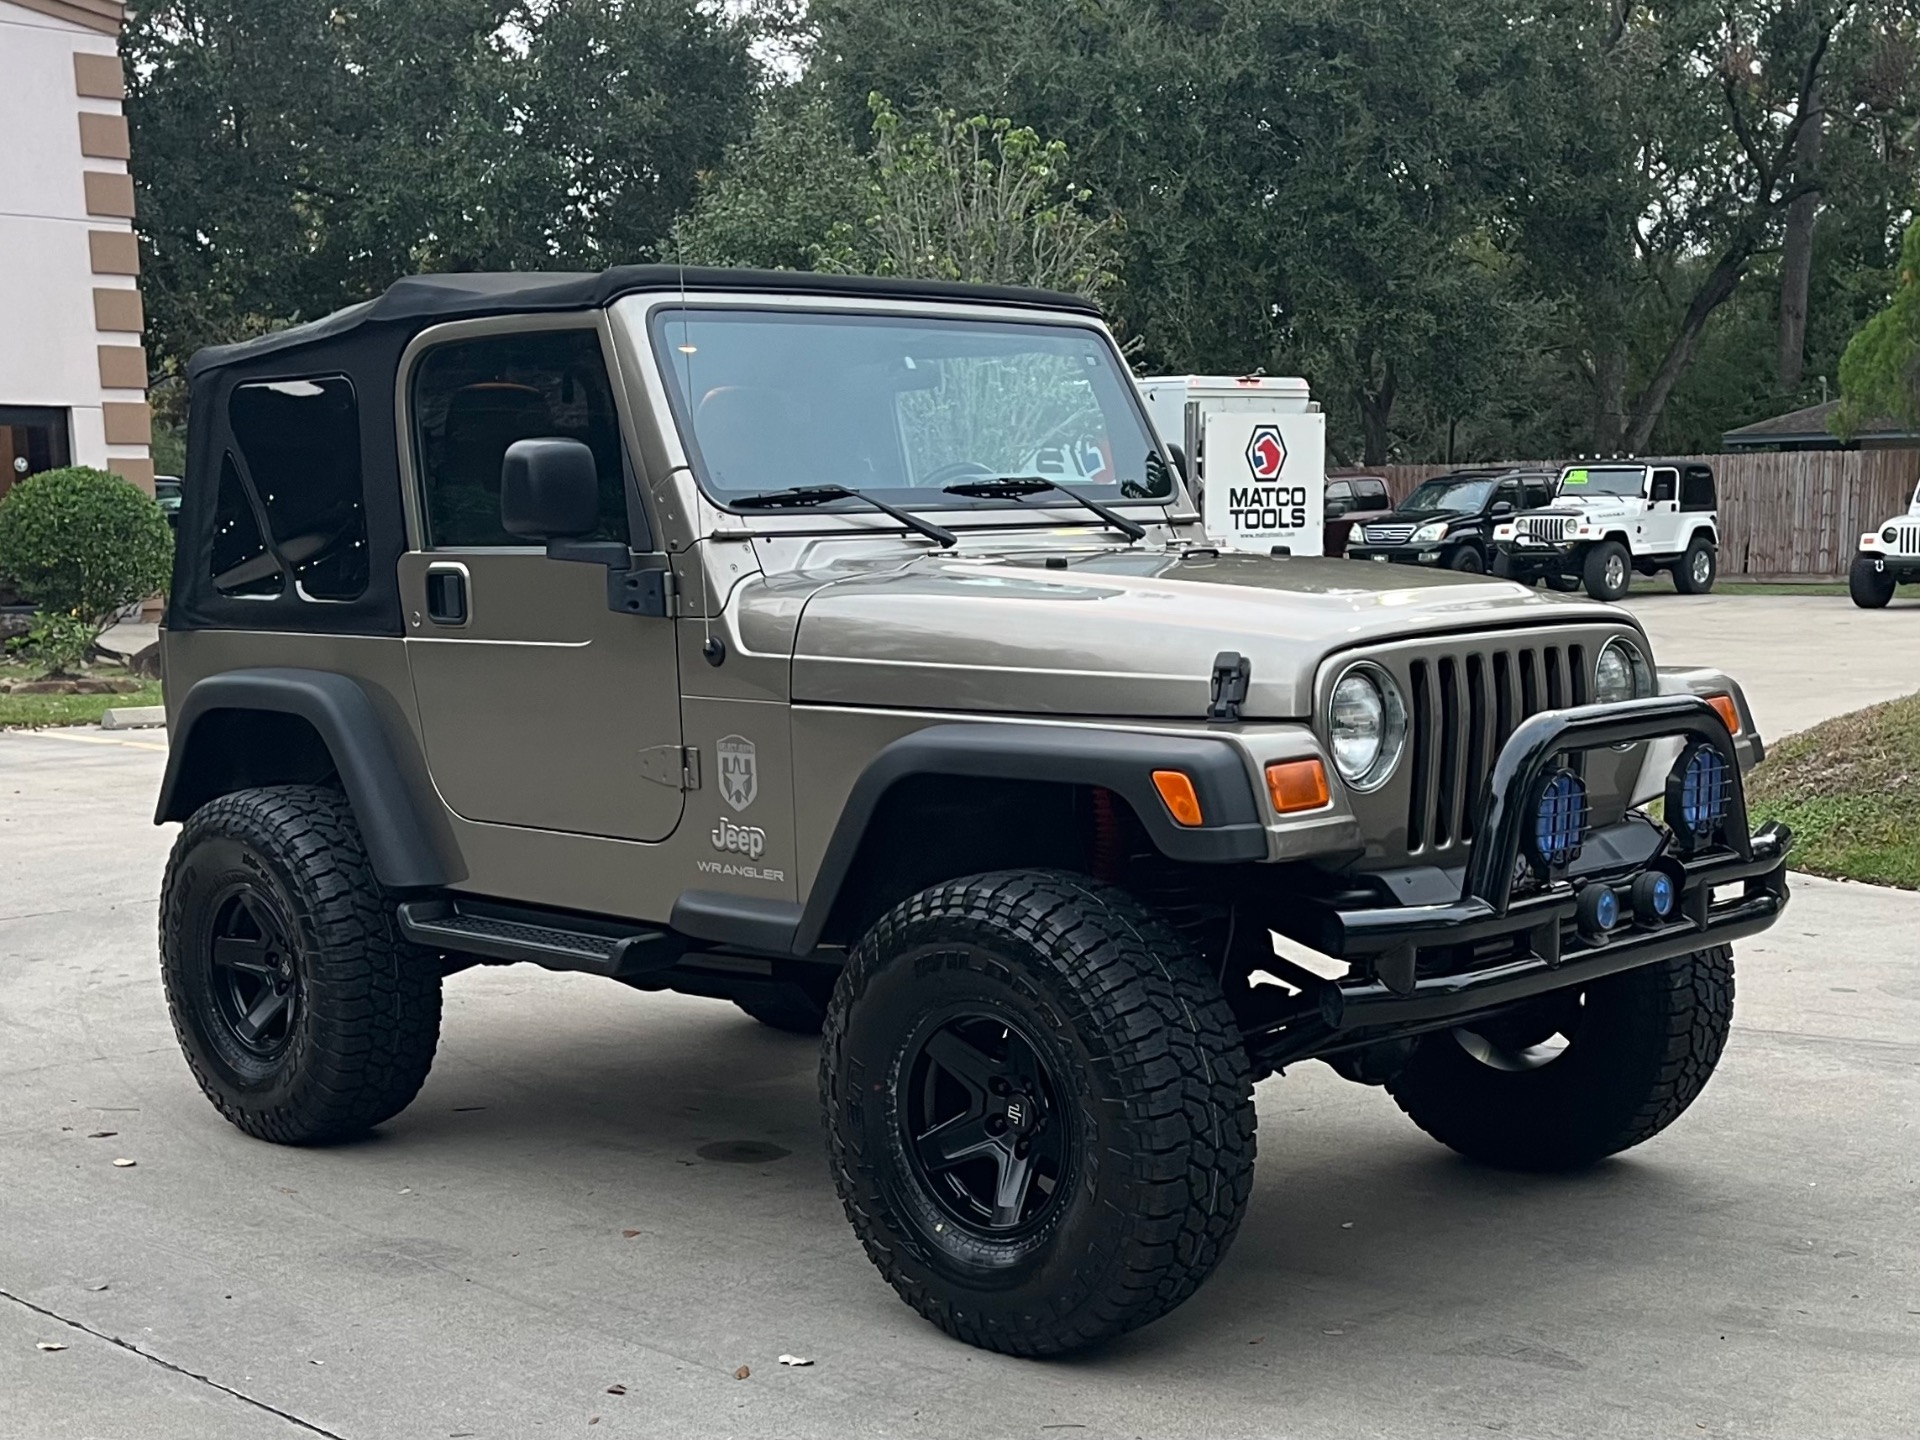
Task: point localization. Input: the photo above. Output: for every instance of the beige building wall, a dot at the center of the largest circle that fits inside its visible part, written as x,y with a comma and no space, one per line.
71,358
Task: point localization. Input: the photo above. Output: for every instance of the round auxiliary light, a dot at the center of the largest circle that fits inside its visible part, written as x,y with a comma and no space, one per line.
1653,896
1560,821
1598,910
1699,801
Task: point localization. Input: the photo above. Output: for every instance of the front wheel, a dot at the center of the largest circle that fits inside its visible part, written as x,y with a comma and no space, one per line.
1573,1077
1038,1109
1698,568
1607,571
303,1014
1870,586
1467,560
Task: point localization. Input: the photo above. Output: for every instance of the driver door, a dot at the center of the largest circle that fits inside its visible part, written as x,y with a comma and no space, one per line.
539,705
1661,529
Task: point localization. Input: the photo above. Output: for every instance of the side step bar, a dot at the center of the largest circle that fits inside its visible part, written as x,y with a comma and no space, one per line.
498,932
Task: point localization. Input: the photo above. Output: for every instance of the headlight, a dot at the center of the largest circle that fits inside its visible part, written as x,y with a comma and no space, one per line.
1436,531
1621,673
1366,726
1889,534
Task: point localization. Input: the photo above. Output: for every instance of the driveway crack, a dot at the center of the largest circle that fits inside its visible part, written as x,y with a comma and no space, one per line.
151,1358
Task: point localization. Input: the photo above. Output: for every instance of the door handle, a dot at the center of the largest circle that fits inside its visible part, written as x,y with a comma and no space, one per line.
447,593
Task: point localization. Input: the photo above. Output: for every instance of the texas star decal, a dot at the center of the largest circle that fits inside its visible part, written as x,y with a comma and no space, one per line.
739,776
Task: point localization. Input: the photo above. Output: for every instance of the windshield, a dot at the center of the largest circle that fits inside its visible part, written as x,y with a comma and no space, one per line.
1603,480
901,407
1449,495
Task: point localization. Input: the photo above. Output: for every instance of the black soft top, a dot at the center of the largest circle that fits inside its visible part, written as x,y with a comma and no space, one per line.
412,304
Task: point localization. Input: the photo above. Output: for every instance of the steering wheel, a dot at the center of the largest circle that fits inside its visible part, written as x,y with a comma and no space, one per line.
955,470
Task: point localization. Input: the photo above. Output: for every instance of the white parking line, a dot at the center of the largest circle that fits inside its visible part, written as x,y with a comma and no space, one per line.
83,737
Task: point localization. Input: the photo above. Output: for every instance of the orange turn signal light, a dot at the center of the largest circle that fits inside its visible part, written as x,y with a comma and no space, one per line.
1723,706
1176,788
1296,785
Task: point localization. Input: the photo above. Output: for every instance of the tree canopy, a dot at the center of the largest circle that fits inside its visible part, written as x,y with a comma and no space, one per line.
1477,232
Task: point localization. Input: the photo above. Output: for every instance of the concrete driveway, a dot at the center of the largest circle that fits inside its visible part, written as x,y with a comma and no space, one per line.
1800,658
565,1210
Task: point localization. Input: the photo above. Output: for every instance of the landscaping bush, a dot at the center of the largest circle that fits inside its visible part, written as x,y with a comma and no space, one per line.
82,545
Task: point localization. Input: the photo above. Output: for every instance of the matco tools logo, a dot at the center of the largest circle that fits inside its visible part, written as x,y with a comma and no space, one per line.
1266,453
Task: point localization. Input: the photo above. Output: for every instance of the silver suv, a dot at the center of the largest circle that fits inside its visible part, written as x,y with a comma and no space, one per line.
734,634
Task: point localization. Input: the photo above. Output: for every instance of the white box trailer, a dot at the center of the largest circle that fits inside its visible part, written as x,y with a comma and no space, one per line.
1256,448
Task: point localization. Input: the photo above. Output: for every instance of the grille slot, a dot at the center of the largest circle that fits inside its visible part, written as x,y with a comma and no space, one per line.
1462,710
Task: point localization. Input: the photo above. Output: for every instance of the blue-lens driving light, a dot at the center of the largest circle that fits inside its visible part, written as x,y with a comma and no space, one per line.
1598,910
1653,896
1698,793
1560,822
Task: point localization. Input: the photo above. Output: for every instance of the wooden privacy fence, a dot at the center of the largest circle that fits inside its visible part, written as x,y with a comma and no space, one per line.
1796,514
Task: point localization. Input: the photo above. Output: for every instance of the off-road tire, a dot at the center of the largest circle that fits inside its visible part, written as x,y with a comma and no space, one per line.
1870,588
368,1017
1599,560
1646,1043
784,1007
1468,560
1683,568
1157,1089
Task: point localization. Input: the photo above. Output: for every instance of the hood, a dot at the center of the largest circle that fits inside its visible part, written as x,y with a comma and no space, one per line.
1592,506
1130,632
1418,518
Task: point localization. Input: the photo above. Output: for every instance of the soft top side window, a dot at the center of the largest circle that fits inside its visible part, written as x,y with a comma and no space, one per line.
474,398
290,498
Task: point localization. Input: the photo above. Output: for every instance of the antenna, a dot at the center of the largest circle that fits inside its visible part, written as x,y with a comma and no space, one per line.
686,350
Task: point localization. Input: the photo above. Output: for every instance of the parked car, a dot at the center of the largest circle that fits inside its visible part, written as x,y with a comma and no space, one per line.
1351,500
532,618
1612,520
167,492
1448,521
1889,556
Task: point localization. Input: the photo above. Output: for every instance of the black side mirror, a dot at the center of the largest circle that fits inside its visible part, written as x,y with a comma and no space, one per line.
1179,454
1662,491
549,490
1502,507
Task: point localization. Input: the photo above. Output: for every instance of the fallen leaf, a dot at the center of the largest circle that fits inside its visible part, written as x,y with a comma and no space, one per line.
1333,1332
794,1360
593,1419
1256,1339
742,1373
628,1234
48,1345
407,1190
103,1134
96,1288
125,1164
1346,1224
616,1389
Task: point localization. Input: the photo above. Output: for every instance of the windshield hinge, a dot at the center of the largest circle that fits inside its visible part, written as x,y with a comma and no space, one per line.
1232,675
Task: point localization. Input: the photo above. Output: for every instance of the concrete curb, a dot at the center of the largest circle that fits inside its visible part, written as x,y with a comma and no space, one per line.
135,717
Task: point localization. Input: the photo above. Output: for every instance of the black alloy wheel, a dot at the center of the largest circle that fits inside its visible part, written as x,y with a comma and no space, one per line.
252,978
985,1129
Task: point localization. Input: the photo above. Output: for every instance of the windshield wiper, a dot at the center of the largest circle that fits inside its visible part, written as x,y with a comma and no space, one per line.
1010,487
802,496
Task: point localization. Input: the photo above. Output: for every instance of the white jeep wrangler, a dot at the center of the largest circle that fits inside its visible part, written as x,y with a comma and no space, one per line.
1888,557
1609,521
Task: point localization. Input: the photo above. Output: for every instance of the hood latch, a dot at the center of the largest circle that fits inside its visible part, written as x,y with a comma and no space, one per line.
1232,674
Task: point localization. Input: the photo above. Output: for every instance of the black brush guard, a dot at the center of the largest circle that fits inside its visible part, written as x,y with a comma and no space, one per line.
1394,950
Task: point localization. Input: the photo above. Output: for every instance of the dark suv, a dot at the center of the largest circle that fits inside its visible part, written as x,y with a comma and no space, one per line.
1448,521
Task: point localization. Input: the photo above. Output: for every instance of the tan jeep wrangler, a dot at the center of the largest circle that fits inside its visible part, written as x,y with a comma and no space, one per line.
741,635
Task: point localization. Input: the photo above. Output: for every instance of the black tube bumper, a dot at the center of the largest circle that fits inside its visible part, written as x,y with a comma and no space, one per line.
1412,964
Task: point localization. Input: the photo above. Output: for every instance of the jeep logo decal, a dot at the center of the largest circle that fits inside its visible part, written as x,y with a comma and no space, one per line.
1266,453
747,840
739,775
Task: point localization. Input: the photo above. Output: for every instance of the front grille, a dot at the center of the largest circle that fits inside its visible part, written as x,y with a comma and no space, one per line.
1388,534
1547,527
1906,539
1461,709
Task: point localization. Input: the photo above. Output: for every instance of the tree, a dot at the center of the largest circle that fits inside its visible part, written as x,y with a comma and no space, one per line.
1880,373
296,157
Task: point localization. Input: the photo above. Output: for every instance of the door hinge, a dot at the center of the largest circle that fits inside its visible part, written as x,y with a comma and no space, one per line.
677,766
642,592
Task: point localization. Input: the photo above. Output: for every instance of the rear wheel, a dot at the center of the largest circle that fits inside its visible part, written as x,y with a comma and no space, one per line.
1607,571
303,1014
1695,571
1870,586
1573,1077
1038,1108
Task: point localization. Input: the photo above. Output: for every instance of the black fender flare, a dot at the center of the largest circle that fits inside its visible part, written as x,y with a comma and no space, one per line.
1122,761
343,715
